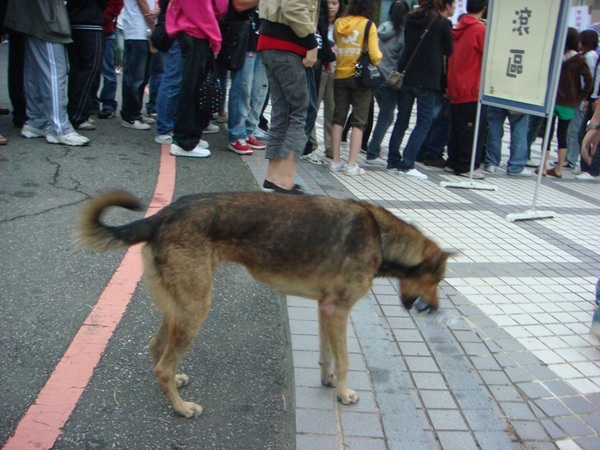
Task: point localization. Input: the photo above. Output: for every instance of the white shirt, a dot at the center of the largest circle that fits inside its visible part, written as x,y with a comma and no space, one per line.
133,23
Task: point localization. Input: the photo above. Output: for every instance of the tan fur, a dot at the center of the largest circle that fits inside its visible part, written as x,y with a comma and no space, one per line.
310,246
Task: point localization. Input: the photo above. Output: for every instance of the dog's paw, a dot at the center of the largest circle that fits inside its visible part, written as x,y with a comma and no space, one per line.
348,397
181,379
328,380
189,410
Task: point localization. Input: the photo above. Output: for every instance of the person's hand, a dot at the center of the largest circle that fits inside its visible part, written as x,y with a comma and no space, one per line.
589,145
311,58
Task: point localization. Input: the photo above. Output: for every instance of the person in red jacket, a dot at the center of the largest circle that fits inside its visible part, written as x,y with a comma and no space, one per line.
464,73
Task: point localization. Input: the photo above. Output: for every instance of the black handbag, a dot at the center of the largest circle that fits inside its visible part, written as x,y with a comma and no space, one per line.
210,93
367,75
235,34
160,39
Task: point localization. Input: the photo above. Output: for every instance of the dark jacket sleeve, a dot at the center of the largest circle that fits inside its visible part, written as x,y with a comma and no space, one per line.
325,53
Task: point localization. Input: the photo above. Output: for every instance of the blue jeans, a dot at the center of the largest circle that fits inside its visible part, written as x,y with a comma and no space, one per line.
136,72
439,133
168,93
289,103
426,99
156,72
108,93
247,95
519,124
387,98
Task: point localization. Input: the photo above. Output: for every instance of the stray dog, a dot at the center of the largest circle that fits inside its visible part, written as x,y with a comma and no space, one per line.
315,247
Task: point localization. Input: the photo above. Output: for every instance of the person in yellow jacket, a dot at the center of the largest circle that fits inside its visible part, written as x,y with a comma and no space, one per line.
349,35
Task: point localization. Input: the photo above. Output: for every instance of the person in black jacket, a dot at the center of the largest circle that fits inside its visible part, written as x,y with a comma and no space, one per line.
85,59
422,80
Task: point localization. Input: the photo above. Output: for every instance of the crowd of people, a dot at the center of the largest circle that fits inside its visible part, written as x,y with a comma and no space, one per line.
298,57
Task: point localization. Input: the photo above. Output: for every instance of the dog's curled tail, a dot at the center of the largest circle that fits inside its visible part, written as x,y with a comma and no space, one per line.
91,232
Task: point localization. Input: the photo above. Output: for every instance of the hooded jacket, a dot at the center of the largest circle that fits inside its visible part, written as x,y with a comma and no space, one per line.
391,45
573,71
349,35
427,67
197,18
46,20
464,68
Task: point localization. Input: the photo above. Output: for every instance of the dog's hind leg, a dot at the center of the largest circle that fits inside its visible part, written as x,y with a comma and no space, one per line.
333,328
157,348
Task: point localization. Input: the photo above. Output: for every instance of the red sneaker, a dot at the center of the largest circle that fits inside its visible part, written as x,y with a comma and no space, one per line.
255,143
240,147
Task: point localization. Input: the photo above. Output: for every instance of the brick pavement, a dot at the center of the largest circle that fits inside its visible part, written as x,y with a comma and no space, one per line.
508,362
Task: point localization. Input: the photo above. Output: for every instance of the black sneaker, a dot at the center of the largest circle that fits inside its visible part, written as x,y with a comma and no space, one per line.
106,113
272,187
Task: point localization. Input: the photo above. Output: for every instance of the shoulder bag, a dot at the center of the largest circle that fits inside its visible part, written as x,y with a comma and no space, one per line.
367,75
210,93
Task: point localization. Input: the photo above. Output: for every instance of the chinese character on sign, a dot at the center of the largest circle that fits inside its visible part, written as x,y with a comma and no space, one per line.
515,63
522,21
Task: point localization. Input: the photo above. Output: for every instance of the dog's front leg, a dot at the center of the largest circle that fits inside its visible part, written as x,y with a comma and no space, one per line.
333,330
326,357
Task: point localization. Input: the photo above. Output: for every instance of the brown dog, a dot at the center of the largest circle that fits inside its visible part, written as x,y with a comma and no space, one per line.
309,246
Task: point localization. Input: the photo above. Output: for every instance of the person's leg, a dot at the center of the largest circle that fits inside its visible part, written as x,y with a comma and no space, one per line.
406,100
190,121
562,139
311,112
50,64
260,86
340,112
156,72
437,111
328,106
425,105
387,99
366,135
86,52
134,79
518,142
16,92
168,93
239,100
437,138
573,147
493,149
463,129
108,93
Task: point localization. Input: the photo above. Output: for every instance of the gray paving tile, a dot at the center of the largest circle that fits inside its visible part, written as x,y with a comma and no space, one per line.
361,424
592,443
517,410
593,420
316,441
473,400
518,375
494,377
574,426
553,407
421,364
456,440
484,419
361,443
529,430
447,419
495,440
428,380
560,388
533,390
553,429
314,421
437,400
315,398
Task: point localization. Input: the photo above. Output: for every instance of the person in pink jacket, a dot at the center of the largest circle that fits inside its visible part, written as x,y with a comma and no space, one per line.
195,24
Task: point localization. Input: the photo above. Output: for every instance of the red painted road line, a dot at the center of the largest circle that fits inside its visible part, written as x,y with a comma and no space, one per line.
42,423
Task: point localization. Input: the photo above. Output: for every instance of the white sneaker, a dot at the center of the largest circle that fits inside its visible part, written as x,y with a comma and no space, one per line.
489,168
260,134
412,173
586,177
89,124
30,132
477,174
337,167
135,125
211,128
202,144
73,139
312,158
379,161
522,173
196,152
354,170
163,138
148,120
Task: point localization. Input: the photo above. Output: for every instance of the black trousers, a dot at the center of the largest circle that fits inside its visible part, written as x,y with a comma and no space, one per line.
85,61
16,89
462,133
189,121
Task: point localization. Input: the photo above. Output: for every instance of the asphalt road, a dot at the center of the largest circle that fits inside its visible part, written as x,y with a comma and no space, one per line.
240,365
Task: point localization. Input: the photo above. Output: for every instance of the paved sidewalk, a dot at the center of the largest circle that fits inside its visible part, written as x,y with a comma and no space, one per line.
508,362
